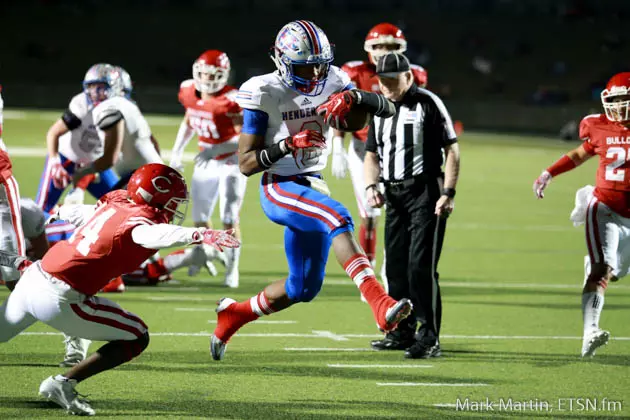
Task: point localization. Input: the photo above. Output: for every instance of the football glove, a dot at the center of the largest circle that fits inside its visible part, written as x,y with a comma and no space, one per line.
219,239
334,110
60,177
306,139
541,183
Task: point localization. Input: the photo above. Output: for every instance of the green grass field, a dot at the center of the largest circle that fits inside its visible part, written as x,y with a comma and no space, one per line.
511,275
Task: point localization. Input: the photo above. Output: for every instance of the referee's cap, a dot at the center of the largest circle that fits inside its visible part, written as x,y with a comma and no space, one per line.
391,64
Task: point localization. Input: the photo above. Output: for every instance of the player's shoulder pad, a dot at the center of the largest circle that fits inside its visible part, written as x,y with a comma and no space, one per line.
186,91
353,64
258,93
339,78
79,105
588,122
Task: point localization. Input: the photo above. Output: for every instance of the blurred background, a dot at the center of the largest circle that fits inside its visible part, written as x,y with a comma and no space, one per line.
533,66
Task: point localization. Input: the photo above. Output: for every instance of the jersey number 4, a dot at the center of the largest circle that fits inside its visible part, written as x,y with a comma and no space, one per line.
619,156
90,231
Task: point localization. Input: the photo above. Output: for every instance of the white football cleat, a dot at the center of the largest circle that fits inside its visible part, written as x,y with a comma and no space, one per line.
62,393
76,351
231,279
213,254
593,340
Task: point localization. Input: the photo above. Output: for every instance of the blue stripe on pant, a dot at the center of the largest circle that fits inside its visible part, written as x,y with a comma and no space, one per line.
311,221
48,195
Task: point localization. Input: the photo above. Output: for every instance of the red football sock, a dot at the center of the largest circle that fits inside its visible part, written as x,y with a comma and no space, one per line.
232,318
367,240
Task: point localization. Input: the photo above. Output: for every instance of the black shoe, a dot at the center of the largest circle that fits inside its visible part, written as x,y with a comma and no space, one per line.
424,349
394,341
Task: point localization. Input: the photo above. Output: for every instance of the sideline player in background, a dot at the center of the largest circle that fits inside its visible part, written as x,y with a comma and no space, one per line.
73,141
11,234
213,114
380,40
116,235
127,140
608,214
283,135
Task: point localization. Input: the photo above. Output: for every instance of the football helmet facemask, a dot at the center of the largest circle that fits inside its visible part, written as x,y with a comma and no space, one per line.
160,186
98,83
616,98
302,54
211,71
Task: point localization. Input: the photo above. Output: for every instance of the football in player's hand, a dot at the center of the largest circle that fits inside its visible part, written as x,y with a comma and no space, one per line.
341,112
356,119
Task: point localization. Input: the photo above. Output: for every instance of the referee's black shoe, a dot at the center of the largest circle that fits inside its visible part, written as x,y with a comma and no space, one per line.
424,348
394,340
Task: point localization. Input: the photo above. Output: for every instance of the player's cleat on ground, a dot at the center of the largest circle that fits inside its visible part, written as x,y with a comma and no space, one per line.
593,341
217,348
218,345
76,350
394,340
62,393
396,313
424,349
117,285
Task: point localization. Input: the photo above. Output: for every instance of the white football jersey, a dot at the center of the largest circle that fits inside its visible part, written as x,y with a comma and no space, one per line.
84,144
33,218
289,113
137,148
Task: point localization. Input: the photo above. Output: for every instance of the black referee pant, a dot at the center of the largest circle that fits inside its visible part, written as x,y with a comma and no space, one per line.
413,243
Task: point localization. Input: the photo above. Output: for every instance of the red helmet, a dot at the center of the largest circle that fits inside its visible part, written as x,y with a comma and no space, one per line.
616,98
211,71
159,186
384,34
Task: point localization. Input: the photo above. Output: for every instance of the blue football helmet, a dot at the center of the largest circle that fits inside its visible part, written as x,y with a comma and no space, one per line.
302,43
97,83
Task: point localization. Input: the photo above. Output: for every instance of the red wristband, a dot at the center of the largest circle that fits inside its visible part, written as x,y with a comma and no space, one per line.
564,164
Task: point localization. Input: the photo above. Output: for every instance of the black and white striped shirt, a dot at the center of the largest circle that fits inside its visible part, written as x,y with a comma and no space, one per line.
411,142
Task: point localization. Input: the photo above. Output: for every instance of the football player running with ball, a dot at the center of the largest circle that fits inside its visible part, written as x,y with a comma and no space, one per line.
213,114
380,40
115,236
286,115
607,213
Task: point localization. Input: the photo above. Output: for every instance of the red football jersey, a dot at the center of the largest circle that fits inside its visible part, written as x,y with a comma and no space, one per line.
363,75
611,141
102,248
6,169
211,119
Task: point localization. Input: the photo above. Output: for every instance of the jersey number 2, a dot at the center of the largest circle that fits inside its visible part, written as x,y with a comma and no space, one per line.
90,231
613,173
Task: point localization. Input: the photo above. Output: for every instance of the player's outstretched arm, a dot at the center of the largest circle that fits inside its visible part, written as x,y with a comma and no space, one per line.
572,159
164,236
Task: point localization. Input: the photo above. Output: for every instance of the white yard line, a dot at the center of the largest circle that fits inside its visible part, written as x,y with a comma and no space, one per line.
19,151
339,365
214,321
345,337
328,334
428,384
488,285
315,349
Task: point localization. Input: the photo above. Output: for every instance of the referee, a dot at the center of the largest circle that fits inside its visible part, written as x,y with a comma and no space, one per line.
405,152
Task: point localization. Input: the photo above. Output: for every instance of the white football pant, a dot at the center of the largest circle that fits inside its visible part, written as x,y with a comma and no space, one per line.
38,296
222,180
11,235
